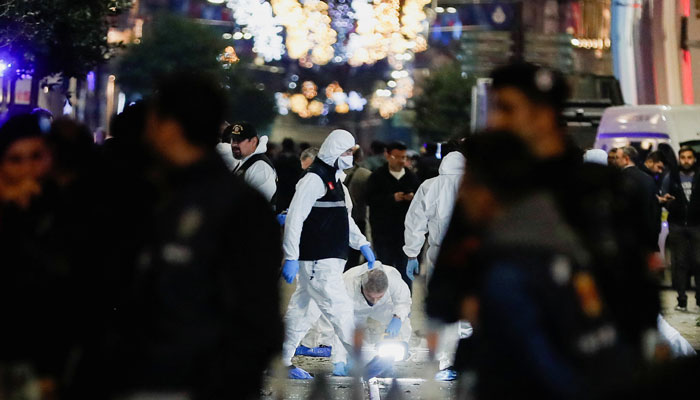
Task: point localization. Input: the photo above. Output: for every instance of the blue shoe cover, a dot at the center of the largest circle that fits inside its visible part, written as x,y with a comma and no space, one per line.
321,351
340,369
377,366
446,374
298,373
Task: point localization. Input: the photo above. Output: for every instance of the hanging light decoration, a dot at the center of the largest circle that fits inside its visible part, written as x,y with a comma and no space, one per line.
384,28
310,37
258,21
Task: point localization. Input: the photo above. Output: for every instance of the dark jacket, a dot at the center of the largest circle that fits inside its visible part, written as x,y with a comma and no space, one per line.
212,259
643,190
592,201
386,216
681,211
544,331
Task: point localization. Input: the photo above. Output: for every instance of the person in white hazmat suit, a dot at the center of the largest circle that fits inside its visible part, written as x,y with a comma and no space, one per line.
430,213
382,305
318,231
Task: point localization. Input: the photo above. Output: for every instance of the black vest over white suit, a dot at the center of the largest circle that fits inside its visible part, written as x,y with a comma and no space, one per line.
326,231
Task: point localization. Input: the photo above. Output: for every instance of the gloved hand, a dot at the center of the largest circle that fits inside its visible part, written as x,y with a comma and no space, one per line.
369,255
340,369
281,218
394,327
412,268
298,373
289,270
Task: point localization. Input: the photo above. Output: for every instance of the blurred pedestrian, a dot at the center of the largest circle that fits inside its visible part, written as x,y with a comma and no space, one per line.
253,165
680,196
642,189
318,231
543,328
428,163
180,330
376,158
654,167
288,173
390,190
612,157
356,182
528,100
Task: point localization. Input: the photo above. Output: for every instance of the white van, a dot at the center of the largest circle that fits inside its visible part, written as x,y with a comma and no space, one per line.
645,127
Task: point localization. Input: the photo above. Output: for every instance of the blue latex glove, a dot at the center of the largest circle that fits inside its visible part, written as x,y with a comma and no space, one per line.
394,327
411,268
289,270
377,366
369,255
281,218
298,373
340,369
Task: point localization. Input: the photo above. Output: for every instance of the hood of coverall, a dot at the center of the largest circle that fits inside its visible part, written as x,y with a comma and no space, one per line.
452,164
337,143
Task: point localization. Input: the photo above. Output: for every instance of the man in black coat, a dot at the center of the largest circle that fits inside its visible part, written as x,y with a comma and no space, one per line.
642,188
390,190
528,100
205,286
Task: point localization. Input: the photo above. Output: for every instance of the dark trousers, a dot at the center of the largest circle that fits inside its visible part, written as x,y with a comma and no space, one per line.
684,244
390,252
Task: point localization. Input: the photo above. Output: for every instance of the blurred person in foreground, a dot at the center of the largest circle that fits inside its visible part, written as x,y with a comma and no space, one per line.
542,329
288,173
34,342
528,101
188,310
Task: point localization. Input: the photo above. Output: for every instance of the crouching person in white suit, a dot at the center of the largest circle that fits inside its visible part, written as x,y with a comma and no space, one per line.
382,306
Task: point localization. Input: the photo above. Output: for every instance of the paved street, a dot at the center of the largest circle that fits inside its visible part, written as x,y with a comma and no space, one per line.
685,322
413,375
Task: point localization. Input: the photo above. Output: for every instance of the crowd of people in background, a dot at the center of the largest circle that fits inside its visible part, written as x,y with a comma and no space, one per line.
152,262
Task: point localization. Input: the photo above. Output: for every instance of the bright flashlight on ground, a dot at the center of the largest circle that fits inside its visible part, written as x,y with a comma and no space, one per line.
394,350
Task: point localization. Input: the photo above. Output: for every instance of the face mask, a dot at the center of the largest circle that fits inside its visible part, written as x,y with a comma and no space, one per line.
344,162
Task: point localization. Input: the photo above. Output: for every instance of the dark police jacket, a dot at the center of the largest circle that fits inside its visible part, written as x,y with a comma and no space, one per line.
544,330
214,253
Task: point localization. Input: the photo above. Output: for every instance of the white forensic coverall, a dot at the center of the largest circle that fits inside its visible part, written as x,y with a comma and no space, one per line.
261,176
430,213
320,287
680,347
374,319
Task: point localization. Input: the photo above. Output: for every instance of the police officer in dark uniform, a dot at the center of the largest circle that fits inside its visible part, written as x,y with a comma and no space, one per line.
202,291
